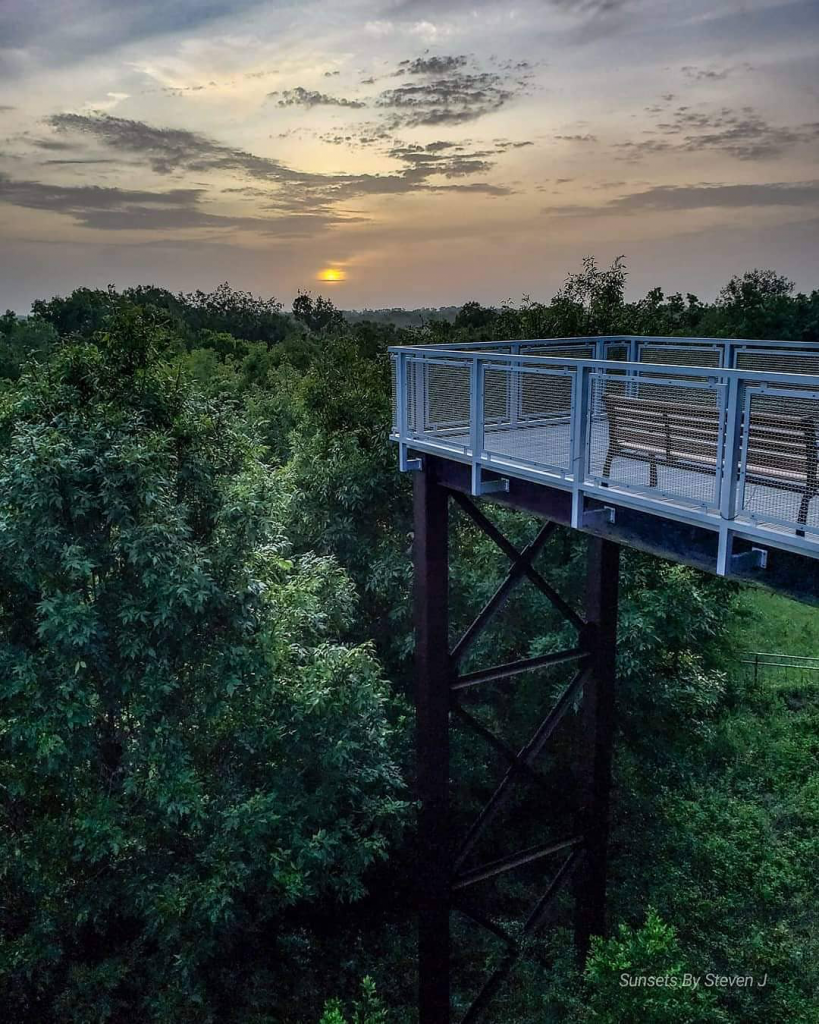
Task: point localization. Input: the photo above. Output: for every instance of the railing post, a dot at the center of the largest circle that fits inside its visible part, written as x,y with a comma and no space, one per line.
432,699
402,399
730,472
514,388
476,427
581,384
421,397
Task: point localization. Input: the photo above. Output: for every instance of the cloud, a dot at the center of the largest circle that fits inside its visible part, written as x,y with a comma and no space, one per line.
168,150
64,163
712,74
430,65
98,26
675,198
700,197
425,161
739,133
582,8
577,138
116,209
456,99
300,97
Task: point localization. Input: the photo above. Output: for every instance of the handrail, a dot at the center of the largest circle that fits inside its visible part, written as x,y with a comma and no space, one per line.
646,338
445,389
666,369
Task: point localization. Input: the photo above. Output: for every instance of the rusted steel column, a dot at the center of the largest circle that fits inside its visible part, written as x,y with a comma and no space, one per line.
431,557
596,740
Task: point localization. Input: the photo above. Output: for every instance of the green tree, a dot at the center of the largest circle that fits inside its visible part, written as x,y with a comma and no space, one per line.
319,315
188,754
22,340
615,995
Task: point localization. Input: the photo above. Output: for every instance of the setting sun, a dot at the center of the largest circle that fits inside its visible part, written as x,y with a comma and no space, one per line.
331,274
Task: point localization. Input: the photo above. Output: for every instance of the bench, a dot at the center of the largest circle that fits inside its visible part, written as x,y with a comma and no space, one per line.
781,450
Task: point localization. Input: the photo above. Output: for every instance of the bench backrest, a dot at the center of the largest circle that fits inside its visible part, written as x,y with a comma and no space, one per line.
666,427
781,445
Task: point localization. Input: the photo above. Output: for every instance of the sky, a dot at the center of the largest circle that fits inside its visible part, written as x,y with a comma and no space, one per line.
416,152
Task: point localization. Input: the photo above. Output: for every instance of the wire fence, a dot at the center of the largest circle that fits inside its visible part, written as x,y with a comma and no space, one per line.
779,669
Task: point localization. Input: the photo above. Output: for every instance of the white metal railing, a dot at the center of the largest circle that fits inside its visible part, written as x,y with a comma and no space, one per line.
733,449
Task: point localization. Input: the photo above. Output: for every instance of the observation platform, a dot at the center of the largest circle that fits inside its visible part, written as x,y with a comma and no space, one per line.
701,450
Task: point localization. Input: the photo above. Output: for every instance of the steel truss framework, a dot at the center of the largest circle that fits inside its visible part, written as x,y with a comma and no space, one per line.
444,876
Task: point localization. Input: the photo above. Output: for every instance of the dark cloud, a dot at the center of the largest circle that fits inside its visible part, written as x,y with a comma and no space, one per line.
456,99
632,152
577,138
431,65
473,186
740,133
168,150
64,163
52,145
712,74
331,74
4,108
116,209
699,197
300,97
671,198
451,165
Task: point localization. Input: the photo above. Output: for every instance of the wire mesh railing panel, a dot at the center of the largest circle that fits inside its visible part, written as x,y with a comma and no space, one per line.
779,451
561,351
541,432
447,395
498,396
779,361
394,392
413,384
535,403
616,351
681,355
658,436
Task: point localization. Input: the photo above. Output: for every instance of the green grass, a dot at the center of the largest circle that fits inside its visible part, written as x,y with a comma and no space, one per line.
773,624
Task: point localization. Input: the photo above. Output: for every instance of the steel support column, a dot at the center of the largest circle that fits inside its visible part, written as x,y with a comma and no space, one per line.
444,871
432,700
596,740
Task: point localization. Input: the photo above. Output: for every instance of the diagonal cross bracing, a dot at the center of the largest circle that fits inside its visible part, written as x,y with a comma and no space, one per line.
527,755
514,555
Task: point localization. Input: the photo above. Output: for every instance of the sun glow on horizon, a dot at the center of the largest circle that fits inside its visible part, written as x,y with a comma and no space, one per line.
331,275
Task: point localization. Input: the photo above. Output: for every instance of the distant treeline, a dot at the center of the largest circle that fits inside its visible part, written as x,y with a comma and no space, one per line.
402,317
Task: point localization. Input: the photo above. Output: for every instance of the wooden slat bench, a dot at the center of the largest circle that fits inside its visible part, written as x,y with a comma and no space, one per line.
781,453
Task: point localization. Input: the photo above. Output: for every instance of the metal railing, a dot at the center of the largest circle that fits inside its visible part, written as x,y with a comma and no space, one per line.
785,669
731,448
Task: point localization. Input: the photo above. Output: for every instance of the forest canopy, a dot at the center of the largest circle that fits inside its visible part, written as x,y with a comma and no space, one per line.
205,683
